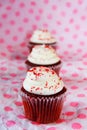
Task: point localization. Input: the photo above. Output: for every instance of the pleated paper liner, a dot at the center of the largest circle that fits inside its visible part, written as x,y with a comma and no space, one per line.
43,109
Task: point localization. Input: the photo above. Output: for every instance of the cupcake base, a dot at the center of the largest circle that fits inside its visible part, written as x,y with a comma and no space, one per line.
56,67
43,109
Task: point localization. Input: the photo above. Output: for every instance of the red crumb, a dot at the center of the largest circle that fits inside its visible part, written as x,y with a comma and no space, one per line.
32,87
37,88
53,72
47,69
46,83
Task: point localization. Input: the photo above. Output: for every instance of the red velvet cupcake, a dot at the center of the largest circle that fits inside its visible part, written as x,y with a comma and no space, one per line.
43,95
44,55
41,37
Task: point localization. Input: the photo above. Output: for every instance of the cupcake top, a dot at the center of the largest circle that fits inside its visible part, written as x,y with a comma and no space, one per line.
43,55
42,81
42,36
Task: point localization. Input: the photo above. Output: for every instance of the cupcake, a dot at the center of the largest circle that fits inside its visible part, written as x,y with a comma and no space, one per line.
44,55
41,37
43,95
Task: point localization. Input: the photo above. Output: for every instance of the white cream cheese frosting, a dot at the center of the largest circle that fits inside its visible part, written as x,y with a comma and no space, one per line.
42,81
42,37
43,55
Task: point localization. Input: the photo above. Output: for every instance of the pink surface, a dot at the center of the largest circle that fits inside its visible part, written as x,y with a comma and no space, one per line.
67,21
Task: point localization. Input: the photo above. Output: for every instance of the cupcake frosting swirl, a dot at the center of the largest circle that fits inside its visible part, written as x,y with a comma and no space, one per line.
43,55
42,36
42,81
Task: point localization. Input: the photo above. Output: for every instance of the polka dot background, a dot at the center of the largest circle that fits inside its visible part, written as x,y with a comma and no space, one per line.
67,21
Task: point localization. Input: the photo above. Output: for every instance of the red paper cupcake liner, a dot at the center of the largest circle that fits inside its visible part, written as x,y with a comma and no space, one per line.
43,109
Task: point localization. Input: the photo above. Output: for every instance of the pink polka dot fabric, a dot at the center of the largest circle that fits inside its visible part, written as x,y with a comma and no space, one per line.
67,21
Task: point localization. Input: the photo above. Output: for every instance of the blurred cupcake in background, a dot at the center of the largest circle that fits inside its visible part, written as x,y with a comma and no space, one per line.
44,55
41,37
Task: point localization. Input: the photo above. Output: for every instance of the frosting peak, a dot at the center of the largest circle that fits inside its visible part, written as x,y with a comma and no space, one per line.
42,36
43,81
43,55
